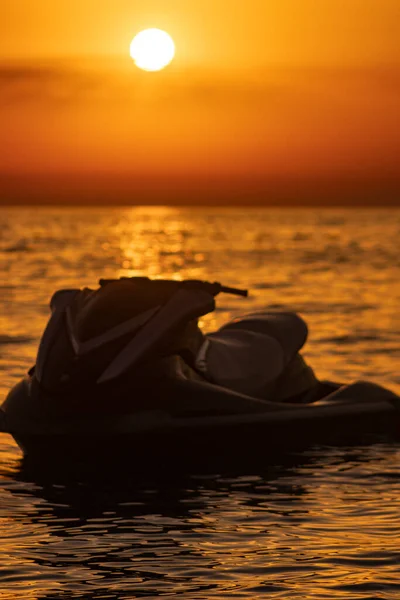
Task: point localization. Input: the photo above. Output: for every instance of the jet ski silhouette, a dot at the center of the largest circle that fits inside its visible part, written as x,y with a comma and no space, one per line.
124,370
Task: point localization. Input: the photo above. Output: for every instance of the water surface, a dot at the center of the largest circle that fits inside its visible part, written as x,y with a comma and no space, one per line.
320,525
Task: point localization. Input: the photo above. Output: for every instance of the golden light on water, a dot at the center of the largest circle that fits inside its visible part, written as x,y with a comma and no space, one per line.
152,49
313,525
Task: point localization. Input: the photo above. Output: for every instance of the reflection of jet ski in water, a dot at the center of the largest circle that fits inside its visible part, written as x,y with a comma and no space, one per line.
125,369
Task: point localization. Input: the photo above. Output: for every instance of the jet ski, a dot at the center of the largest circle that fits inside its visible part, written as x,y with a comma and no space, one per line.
123,371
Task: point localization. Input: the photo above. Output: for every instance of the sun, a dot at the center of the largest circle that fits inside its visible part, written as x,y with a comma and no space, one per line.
152,49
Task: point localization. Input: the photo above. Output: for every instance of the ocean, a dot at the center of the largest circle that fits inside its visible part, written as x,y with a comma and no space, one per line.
321,524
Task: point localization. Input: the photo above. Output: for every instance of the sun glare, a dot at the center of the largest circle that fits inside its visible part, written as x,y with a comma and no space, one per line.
152,49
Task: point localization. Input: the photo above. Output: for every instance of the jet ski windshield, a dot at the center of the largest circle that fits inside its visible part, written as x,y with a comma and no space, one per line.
117,326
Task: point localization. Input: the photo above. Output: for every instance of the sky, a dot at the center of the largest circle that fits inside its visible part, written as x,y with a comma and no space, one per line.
266,102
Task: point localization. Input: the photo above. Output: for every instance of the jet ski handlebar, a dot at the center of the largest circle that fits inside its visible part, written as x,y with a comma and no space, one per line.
234,291
213,288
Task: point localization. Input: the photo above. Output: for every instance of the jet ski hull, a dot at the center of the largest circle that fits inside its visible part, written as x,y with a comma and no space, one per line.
354,414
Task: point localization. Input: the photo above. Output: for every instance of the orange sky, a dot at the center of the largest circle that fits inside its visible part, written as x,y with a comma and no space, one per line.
266,101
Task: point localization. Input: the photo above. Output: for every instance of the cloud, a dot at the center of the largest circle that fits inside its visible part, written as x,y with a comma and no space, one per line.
54,84
71,83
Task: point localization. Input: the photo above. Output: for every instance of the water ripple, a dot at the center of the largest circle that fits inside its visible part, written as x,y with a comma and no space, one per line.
323,524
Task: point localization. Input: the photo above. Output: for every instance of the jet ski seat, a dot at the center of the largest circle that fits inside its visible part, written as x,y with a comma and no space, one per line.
258,355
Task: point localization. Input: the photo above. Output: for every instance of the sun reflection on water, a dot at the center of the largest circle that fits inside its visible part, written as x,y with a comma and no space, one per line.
325,526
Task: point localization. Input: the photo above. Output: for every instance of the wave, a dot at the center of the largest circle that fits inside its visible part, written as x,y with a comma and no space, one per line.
15,339
20,246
